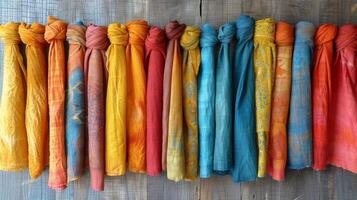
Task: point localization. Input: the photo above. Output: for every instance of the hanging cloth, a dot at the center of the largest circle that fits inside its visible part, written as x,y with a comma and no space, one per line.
222,159
299,124
245,164
55,34
342,141
13,140
95,76
321,91
277,150
136,105
155,46
173,31
36,115
115,126
191,60
206,96
75,108
264,68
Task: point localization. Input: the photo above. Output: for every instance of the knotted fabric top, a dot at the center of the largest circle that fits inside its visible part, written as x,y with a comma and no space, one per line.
284,34
76,33
245,28
118,34
55,29
174,30
9,33
265,28
32,34
226,33
208,36
190,38
347,36
155,39
138,31
304,32
325,33
96,37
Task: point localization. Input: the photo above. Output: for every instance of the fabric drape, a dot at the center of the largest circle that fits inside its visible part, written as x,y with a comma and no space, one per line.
222,159
277,150
36,115
13,140
191,60
175,139
55,35
95,77
321,92
75,107
136,102
264,65
115,126
173,60
342,147
245,164
299,124
155,46
206,99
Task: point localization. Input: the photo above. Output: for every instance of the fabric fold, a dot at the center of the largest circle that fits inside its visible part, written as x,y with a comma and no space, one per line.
13,140
155,48
277,150
115,126
206,100
55,34
173,139
191,60
245,164
300,116
75,107
36,116
342,141
321,92
95,78
264,65
222,159
136,100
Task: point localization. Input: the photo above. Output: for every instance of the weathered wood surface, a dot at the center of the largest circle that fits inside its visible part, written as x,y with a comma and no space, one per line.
307,184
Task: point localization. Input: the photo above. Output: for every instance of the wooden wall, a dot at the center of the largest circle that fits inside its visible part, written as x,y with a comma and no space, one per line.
306,184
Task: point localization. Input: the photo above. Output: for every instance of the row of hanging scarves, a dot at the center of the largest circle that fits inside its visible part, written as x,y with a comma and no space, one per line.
152,100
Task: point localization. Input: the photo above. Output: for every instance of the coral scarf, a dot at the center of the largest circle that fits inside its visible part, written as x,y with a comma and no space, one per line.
75,108
36,100
342,150
244,135
136,105
13,140
277,150
264,65
173,60
95,83
155,46
115,126
191,60
321,92
206,96
222,159
299,124
55,35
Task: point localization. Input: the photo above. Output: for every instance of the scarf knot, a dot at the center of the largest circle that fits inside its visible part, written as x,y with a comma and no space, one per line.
32,34
284,34
156,39
325,33
55,29
226,33
76,33
96,37
304,32
245,28
174,30
118,34
190,38
208,36
347,36
9,33
138,31
265,28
